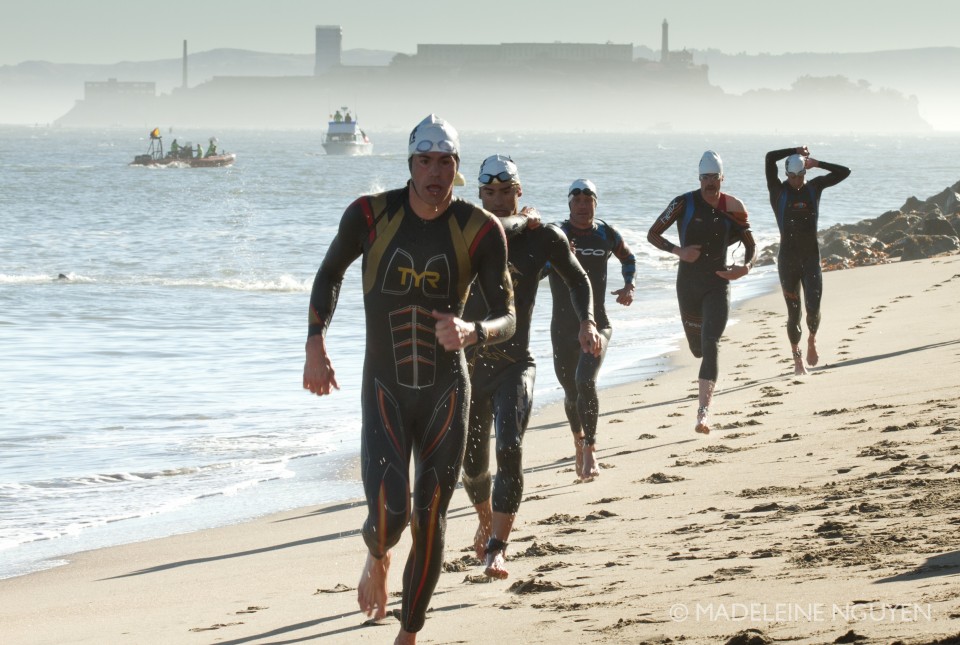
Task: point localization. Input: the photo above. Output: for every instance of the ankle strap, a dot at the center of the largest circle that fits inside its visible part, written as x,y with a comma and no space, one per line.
494,545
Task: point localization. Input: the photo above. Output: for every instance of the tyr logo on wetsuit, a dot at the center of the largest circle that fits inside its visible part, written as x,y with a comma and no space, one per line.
402,275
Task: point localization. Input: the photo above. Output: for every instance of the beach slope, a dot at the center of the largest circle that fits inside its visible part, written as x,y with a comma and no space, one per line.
820,507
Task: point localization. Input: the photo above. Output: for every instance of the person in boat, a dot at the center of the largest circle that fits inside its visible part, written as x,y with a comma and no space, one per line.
796,205
175,149
348,118
212,148
708,221
338,117
502,377
593,241
199,151
421,249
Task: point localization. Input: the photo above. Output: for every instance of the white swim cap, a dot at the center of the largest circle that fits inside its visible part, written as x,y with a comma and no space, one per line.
794,165
433,134
582,186
710,163
498,169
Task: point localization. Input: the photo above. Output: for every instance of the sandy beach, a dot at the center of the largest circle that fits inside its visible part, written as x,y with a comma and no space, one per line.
823,508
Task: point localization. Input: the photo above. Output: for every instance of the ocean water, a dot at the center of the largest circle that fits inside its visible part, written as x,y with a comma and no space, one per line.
158,389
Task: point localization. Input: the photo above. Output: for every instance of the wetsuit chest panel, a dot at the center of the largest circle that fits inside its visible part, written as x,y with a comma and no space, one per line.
527,256
413,266
797,214
707,226
403,275
592,248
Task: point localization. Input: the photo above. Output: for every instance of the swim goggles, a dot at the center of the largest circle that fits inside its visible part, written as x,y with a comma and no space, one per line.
709,175
504,176
583,191
444,145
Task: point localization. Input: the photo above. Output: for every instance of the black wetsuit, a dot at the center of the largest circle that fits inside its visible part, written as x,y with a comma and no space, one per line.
415,394
503,375
704,297
577,370
798,261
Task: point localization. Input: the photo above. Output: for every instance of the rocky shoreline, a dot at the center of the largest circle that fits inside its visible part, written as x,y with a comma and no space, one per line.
919,229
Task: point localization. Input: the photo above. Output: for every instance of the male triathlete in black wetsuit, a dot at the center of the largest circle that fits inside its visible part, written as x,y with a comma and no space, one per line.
421,250
502,376
593,242
796,204
708,222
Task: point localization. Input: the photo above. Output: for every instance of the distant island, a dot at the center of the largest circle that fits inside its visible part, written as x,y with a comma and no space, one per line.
511,86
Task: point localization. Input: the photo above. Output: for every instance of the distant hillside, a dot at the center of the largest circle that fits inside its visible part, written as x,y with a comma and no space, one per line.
927,74
40,92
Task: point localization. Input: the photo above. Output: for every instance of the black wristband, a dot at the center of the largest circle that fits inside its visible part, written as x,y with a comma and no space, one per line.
481,332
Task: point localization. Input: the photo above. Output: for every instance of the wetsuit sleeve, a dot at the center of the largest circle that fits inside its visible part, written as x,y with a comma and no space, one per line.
513,225
749,246
770,167
565,264
837,173
344,249
494,280
738,213
628,261
662,223
548,269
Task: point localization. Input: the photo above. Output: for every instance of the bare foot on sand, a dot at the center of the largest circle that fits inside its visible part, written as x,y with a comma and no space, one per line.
405,638
812,356
372,589
591,469
496,565
578,444
798,368
484,528
702,426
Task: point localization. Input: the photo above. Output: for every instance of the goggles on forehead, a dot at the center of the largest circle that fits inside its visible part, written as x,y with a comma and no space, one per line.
504,176
444,145
583,191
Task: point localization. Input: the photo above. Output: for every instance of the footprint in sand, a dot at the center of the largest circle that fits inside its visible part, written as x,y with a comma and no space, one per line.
660,478
551,566
541,549
560,518
602,514
465,563
534,585
214,627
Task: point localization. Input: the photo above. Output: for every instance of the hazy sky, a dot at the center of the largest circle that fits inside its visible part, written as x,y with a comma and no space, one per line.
109,31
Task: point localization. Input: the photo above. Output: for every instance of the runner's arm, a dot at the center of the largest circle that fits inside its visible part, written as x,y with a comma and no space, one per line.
565,264
770,166
835,173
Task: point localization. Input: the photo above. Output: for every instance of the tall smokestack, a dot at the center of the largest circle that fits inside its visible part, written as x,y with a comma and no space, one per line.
664,44
184,64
